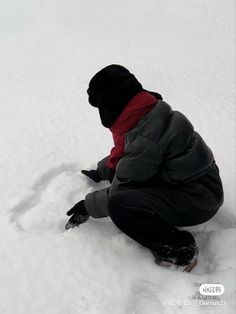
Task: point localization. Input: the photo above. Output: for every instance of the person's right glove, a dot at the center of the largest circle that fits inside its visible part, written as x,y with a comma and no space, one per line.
92,174
79,215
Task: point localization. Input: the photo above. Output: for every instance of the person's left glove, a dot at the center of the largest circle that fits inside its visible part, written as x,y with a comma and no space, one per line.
101,174
93,175
79,215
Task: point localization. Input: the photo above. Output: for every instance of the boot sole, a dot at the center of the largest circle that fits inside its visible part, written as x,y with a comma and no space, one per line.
190,267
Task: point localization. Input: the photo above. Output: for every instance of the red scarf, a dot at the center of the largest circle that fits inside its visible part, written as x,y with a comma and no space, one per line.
133,112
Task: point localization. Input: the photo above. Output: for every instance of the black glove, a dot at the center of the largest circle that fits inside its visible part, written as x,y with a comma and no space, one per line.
79,213
92,174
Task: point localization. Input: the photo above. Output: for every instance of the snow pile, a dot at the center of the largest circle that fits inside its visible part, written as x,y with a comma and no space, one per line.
50,49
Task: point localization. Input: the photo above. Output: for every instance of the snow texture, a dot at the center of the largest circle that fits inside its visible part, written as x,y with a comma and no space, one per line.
50,49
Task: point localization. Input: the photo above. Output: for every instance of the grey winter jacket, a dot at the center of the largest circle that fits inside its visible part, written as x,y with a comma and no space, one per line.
162,147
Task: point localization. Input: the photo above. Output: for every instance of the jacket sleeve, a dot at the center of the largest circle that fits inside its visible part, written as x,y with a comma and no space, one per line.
96,203
139,164
104,171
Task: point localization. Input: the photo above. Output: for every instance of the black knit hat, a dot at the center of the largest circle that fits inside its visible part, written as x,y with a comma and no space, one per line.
110,90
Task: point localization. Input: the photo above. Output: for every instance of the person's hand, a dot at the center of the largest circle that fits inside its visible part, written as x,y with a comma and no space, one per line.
79,215
92,174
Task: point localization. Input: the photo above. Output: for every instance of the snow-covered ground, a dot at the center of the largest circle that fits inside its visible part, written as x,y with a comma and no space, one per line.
49,50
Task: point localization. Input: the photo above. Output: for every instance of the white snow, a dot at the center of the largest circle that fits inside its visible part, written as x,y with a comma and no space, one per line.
49,51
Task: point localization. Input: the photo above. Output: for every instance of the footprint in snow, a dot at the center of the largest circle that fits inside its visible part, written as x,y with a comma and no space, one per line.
144,299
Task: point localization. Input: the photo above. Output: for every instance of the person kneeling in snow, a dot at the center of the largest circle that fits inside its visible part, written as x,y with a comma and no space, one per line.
162,173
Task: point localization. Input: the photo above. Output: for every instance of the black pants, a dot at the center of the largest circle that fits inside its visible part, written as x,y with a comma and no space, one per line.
150,213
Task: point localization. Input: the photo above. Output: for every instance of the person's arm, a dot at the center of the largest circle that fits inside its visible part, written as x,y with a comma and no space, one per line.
106,167
103,172
96,203
139,164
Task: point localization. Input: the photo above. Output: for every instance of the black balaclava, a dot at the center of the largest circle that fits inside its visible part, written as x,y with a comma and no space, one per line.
110,90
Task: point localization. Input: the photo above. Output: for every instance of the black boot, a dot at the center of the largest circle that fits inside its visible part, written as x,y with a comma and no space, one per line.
177,248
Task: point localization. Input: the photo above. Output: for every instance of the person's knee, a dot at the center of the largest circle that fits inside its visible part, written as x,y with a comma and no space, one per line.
116,204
